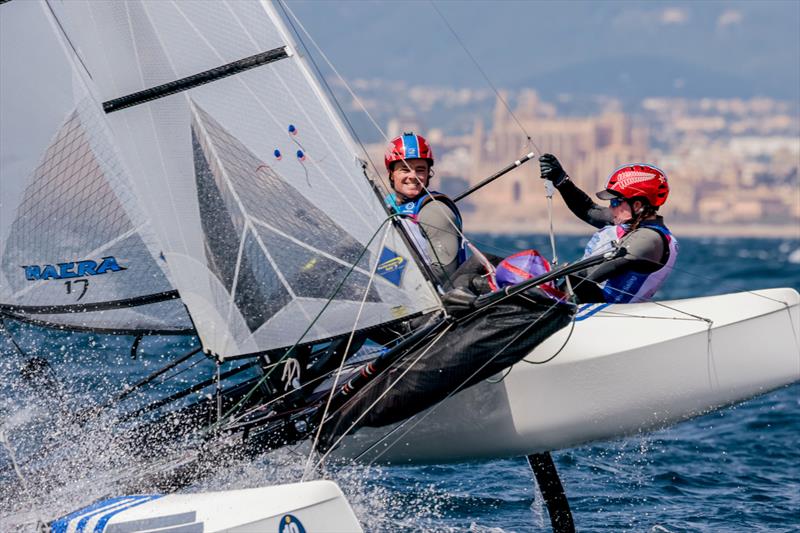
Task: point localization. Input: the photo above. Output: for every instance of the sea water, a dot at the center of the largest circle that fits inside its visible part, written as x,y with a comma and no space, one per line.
737,469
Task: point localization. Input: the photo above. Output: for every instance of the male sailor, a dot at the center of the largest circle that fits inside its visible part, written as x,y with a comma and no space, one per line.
431,218
631,220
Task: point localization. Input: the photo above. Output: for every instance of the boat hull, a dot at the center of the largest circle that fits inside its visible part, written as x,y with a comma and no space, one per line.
311,506
624,369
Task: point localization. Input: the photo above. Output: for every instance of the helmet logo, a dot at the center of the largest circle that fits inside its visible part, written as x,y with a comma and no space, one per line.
626,179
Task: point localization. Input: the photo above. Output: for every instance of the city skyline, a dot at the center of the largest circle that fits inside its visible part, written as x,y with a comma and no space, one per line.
723,121
732,163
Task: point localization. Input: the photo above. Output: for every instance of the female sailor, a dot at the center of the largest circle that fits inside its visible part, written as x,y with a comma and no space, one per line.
631,221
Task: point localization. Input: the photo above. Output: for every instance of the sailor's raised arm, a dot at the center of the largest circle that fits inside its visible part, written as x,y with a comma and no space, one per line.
577,201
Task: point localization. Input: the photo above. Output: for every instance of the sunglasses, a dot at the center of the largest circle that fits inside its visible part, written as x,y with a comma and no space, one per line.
616,202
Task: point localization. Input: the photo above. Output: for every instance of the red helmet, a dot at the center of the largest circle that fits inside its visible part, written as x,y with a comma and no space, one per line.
408,146
638,180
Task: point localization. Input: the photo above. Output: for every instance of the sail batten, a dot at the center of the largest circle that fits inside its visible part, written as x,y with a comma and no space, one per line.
189,82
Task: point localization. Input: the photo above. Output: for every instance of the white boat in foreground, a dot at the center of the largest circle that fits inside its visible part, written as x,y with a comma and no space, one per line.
316,506
625,369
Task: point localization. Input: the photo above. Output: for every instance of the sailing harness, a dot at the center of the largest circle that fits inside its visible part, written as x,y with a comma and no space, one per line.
409,212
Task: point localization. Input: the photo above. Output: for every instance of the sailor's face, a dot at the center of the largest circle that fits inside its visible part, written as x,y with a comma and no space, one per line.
622,210
409,177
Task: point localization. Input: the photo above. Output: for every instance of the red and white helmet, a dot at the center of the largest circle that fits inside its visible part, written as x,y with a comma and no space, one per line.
636,181
408,146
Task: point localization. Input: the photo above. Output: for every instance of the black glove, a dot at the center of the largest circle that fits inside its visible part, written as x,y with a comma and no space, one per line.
552,169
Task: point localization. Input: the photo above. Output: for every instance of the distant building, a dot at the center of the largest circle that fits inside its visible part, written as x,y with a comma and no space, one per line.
733,164
588,147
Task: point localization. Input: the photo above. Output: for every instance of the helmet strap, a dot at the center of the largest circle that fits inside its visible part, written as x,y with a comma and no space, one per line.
643,213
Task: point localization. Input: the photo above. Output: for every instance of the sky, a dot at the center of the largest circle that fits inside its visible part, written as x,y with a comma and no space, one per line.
628,48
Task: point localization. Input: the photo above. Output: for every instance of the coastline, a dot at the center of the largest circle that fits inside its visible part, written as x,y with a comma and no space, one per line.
761,231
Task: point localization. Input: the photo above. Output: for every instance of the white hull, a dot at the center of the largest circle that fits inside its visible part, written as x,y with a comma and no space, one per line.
313,506
625,369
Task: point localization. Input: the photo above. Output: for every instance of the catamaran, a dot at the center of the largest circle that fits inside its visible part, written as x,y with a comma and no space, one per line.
176,168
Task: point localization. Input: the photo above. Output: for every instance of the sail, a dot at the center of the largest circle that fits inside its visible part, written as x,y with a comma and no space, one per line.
76,248
270,230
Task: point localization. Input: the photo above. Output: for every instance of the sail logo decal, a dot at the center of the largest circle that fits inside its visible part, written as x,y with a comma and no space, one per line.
391,266
290,524
74,269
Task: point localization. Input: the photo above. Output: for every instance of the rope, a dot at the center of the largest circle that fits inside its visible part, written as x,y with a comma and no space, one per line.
291,373
433,408
379,398
341,364
226,416
356,99
360,104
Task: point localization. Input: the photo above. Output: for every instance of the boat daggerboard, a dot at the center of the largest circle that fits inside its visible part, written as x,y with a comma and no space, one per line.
76,250
247,175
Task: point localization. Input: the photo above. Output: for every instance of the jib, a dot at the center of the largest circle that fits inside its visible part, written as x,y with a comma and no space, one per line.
76,269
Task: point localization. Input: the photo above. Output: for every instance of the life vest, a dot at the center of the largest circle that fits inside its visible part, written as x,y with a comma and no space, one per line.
410,210
632,287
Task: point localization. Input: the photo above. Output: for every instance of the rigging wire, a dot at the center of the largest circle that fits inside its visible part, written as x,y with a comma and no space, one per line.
456,389
344,357
381,396
7,334
358,101
485,244
366,387
352,426
485,76
433,408
226,416
290,16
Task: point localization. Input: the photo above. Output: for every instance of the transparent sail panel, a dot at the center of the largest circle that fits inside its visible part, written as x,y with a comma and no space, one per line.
269,227
72,235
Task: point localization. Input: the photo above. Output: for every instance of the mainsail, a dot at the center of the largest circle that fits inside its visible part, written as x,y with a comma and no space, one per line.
214,137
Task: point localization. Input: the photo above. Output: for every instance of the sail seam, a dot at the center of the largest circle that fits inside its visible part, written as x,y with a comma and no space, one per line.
237,268
235,195
257,221
195,80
